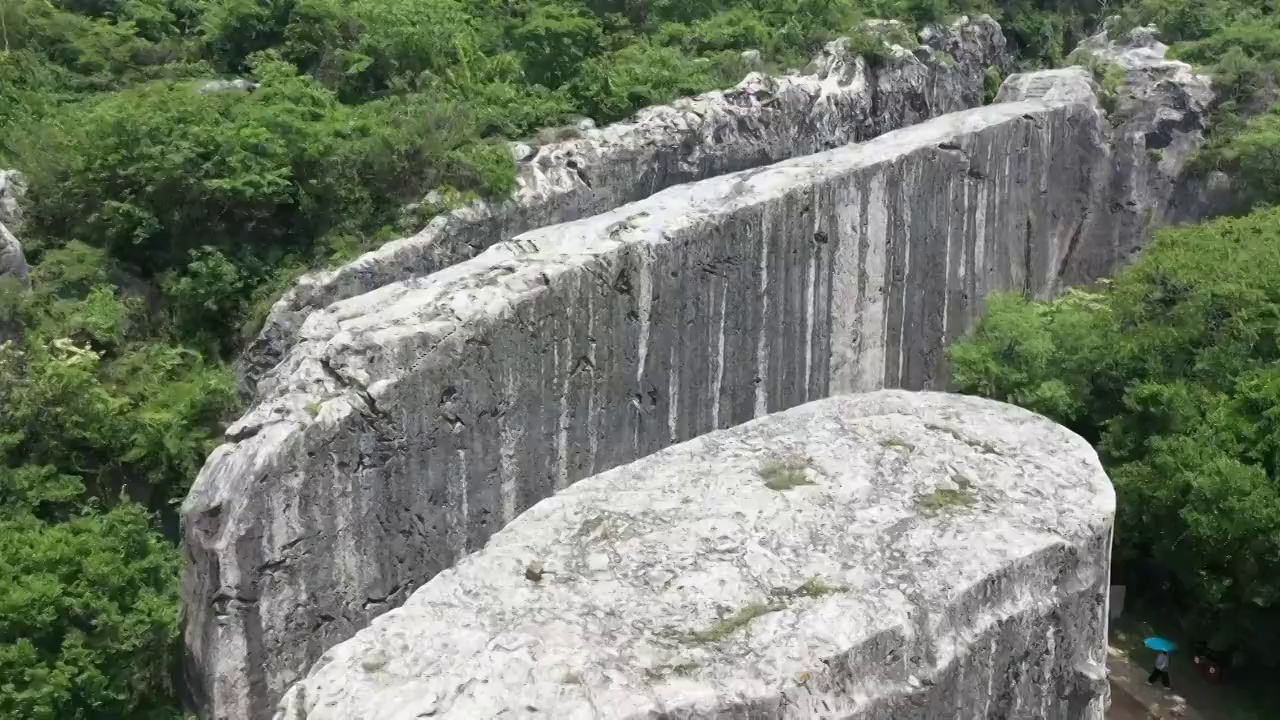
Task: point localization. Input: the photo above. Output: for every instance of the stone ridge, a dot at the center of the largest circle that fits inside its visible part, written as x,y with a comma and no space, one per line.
842,99
1158,114
413,422
885,555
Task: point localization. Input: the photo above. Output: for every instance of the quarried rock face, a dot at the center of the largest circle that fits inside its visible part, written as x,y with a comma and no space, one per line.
873,557
841,99
1158,120
411,423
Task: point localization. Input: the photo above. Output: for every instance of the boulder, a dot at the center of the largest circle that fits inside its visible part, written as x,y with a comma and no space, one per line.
13,263
808,564
236,85
13,187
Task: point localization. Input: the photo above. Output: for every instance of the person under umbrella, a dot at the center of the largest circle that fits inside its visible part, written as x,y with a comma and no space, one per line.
1161,670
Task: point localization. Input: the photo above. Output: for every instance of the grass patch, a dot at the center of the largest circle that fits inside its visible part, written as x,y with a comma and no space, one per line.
784,474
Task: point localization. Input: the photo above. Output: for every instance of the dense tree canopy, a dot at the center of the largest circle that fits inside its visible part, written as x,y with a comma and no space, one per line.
1172,370
162,220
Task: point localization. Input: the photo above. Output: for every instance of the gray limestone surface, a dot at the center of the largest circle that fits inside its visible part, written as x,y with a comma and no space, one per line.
891,555
411,423
1158,121
841,99
13,262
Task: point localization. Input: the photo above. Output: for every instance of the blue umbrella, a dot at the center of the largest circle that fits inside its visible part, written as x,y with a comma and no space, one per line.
1160,644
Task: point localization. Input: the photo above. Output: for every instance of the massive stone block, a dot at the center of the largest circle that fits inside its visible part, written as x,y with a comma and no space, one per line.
1158,114
841,99
413,422
882,556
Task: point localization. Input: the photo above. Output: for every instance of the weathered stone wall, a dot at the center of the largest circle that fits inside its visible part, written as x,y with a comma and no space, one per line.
881,556
413,422
763,120
1158,115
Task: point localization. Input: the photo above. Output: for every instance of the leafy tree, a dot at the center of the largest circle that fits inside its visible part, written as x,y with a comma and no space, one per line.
1170,369
554,42
88,617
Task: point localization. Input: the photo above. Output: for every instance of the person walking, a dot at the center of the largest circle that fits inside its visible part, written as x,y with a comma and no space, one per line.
1161,670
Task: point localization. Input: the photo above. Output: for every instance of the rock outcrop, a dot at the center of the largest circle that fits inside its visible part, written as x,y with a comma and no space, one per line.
1158,120
13,263
842,99
411,423
873,557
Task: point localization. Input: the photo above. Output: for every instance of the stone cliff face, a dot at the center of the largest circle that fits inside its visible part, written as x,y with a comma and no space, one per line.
411,423
1156,124
763,120
873,557
1159,121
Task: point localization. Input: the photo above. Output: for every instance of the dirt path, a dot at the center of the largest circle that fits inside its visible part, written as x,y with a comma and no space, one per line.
1133,699
1124,706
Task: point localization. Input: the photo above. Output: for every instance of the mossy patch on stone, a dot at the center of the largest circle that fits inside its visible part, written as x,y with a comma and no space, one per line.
780,598
785,473
958,493
813,587
736,621
682,668
897,443
945,499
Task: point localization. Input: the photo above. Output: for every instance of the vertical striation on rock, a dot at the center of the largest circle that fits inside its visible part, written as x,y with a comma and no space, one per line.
873,557
841,99
411,423
1156,127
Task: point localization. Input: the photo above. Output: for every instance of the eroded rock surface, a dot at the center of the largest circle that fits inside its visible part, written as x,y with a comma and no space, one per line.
841,99
881,556
13,263
413,422
1158,119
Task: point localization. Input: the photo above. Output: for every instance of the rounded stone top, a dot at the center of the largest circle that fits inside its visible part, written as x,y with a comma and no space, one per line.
738,568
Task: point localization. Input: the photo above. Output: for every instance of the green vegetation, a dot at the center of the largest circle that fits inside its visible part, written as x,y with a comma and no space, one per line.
1172,371
897,443
784,474
163,219
946,498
